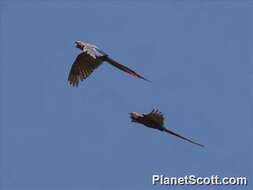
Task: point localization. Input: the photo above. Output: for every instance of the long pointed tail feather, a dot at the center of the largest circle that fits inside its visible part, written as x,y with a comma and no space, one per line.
125,69
175,134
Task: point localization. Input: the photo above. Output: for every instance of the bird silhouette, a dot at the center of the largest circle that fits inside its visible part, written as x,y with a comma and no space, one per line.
155,120
90,59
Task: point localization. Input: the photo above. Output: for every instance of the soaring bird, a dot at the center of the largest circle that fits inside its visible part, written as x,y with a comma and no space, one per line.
155,120
91,58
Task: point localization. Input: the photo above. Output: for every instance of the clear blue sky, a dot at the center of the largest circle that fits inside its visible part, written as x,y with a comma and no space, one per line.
198,55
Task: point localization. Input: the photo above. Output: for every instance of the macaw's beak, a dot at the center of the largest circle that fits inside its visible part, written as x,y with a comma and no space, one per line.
134,116
78,45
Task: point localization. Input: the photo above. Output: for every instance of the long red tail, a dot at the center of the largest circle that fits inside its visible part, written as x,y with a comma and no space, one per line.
175,134
125,69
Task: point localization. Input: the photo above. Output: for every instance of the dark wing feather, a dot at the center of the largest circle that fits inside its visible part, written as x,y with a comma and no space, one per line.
82,67
155,116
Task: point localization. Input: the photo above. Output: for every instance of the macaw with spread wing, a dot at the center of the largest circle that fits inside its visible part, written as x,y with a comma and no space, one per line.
90,59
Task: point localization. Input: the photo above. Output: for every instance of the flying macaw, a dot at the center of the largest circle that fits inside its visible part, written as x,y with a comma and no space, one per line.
155,120
89,59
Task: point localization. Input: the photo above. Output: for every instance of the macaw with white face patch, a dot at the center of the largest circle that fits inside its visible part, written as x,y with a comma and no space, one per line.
155,120
91,58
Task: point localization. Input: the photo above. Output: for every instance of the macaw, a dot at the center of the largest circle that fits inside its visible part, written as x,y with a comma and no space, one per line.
155,120
91,58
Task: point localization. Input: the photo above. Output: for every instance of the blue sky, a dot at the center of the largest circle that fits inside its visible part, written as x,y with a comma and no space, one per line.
198,55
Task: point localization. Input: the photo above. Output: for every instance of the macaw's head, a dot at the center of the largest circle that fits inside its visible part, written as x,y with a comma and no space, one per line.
79,44
136,117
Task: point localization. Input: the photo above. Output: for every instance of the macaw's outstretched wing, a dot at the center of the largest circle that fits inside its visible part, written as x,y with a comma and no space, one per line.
124,68
82,67
156,117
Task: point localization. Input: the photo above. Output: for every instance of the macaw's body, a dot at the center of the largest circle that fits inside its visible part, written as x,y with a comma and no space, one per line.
90,59
155,120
